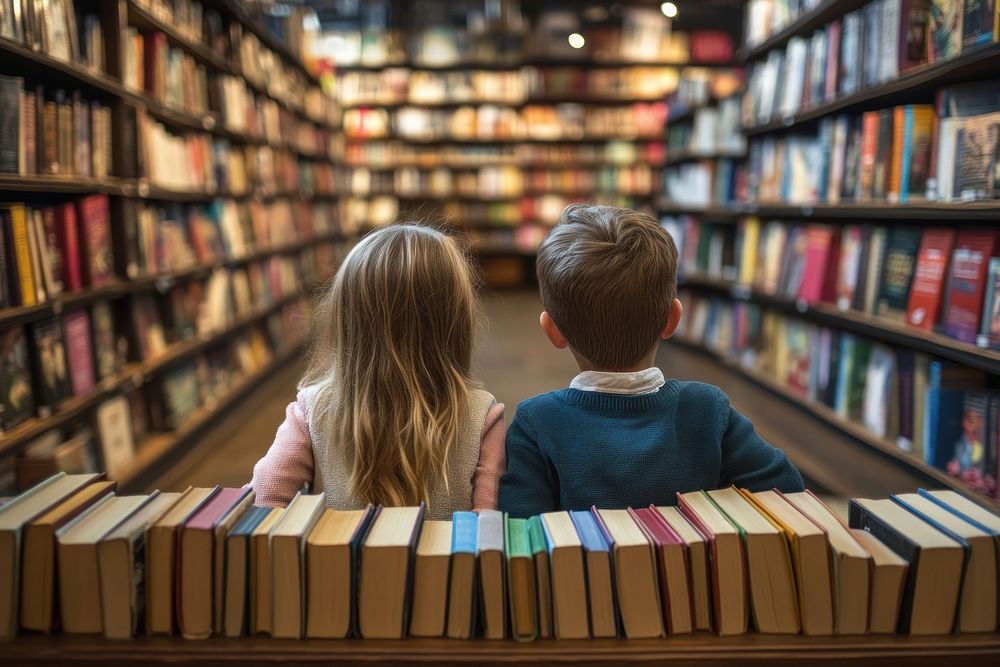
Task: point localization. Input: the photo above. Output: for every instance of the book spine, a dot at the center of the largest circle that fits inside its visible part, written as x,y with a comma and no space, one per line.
10,132
28,118
5,285
69,247
50,138
905,136
22,249
64,135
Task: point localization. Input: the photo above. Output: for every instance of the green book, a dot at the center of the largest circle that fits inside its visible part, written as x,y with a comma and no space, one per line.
897,272
521,583
543,581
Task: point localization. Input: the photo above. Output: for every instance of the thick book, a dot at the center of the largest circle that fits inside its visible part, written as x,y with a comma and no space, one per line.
697,555
730,592
14,515
967,282
161,555
897,272
810,556
635,574
543,576
429,613
78,562
260,569
977,606
386,571
773,602
673,569
200,559
462,587
926,293
600,586
288,584
234,611
94,218
492,584
933,582
121,557
38,558
28,295
851,565
888,576
79,352
568,580
522,591
332,567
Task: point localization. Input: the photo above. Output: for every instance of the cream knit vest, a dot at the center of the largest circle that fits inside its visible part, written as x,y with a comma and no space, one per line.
332,464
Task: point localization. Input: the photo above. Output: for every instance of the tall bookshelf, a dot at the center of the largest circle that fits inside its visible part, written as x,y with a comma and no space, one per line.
236,252
722,286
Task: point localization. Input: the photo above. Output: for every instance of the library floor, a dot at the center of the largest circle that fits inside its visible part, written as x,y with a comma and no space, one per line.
514,362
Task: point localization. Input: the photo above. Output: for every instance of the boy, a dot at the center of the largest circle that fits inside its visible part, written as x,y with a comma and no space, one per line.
620,435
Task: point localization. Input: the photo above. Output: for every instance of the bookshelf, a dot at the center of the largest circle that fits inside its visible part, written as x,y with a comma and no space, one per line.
879,89
292,124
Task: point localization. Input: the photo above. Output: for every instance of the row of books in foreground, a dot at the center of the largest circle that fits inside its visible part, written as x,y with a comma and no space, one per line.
206,561
946,414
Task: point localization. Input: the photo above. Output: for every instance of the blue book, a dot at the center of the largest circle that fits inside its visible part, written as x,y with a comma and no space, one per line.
246,525
965,509
600,587
462,584
237,573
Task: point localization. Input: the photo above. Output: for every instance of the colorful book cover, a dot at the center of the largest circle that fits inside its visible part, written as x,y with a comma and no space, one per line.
15,378
970,460
822,245
22,255
883,155
989,331
967,282
870,121
799,356
945,29
976,144
95,234
928,279
913,34
79,351
852,242
978,21
897,272
917,151
52,382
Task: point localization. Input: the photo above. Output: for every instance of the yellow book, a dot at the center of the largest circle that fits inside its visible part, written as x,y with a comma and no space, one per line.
810,559
22,252
748,255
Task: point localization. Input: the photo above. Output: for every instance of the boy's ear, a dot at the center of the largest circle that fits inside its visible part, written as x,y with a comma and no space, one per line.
673,319
552,331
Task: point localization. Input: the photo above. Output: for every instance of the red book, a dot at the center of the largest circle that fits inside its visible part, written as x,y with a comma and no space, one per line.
95,236
819,262
68,239
966,283
674,568
79,351
928,279
869,153
730,592
200,562
832,60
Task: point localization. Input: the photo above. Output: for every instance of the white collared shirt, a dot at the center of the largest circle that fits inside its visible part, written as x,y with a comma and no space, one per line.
646,381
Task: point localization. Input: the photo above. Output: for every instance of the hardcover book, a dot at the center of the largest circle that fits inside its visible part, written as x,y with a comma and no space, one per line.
15,378
95,234
928,279
52,378
79,351
897,272
967,283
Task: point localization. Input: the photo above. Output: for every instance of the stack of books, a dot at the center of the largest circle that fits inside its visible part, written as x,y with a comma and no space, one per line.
207,562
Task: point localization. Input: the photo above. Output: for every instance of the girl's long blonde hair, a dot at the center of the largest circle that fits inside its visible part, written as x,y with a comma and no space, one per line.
390,360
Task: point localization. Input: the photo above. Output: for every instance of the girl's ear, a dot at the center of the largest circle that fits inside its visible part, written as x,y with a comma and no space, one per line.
673,319
552,331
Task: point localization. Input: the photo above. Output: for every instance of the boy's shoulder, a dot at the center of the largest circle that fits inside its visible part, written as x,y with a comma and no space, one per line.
693,391
688,392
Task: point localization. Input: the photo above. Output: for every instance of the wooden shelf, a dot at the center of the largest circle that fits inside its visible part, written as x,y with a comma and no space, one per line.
53,73
143,20
683,156
823,13
715,213
157,446
15,315
698,649
72,185
918,84
978,211
851,428
870,326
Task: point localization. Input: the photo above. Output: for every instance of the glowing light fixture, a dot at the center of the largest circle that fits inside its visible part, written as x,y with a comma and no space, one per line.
669,10
576,40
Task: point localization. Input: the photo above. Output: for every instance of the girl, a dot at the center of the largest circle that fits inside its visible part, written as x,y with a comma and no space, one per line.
386,412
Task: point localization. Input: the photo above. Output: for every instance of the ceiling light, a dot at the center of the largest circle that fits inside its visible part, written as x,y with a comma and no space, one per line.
576,40
669,10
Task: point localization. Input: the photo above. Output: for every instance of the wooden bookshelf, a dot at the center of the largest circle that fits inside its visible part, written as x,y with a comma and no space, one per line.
108,88
805,24
701,649
919,213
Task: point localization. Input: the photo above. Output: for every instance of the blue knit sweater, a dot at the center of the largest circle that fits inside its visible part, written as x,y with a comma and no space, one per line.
571,449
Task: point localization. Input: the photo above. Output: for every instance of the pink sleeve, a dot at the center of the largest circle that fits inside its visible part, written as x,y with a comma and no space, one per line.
492,461
288,464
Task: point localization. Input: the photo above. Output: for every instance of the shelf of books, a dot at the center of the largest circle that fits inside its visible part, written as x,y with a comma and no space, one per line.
496,132
168,187
860,235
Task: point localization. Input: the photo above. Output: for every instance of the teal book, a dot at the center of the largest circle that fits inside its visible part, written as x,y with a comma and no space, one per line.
543,579
897,272
521,587
462,586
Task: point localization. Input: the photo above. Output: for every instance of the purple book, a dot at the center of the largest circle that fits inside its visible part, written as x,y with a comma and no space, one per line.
79,351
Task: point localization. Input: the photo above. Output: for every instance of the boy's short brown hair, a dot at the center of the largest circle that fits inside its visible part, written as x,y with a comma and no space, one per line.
608,276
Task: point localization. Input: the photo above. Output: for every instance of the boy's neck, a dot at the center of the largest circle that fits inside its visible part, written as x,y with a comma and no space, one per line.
585,364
